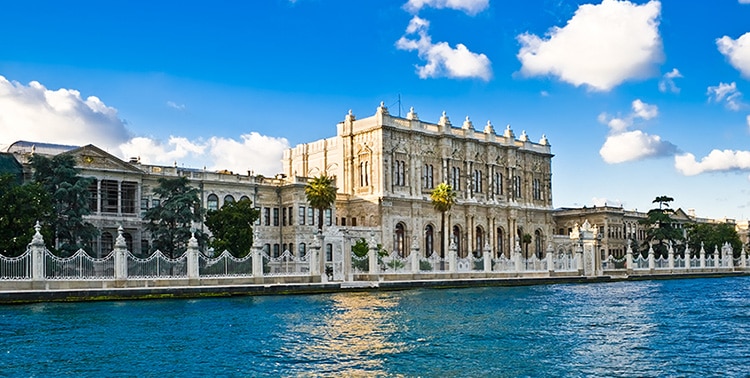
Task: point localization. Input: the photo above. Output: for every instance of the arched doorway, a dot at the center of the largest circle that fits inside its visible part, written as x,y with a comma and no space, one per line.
429,237
478,241
456,235
399,240
500,248
538,244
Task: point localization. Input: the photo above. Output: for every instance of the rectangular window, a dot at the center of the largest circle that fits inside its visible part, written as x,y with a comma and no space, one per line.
283,216
301,216
343,221
266,216
498,183
127,193
155,202
257,221
275,216
327,216
144,203
456,178
310,216
354,222
94,197
291,211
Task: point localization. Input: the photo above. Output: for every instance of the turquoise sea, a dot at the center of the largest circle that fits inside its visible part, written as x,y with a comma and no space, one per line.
681,328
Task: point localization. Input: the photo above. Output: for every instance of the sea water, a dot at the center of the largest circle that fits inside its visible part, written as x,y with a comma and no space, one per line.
696,327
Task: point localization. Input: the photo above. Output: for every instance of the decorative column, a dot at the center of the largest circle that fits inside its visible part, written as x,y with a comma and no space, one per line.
372,255
517,256
121,256
315,256
670,256
687,257
728,254
651,259
629,259
414,255
579,258
346,245
37,254
487,256
743,258
452,256
258,257
192,257
550,259
702,257
717,260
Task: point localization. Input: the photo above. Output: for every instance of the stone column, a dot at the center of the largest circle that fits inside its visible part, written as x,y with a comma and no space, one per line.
579,259
717,260
702,257
346,245
372,255
192,258
487,256
651,260
315,256
743,258
517,257
37,255
452,256
629,259
414,256
121,256
550,258
687,257
728,254
670,256
258,258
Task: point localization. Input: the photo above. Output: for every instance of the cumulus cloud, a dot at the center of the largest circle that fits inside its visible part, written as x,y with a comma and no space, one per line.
601,46
442,59
175,105
623,144
715,161
61,116
35,113
727,93
470,7
737,51
667,84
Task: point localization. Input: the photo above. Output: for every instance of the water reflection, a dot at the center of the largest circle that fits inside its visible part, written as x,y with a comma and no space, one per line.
354,337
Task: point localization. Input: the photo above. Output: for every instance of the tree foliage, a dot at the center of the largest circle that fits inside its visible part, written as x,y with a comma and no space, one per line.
443,197
660,227
69,193
321,194
713,235
171,223
232,227
20,207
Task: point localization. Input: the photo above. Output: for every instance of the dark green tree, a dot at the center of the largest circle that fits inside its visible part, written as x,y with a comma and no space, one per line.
171,223
660,227
713,235
69,192
321,194
232,227
20,207
443,197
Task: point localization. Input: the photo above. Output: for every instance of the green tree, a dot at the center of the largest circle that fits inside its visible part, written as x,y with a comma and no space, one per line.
443,197
22,206
713,235
69,192
232,227
170,223
661,230
321,194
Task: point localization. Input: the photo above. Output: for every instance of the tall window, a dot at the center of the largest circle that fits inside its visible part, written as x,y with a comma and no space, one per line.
427,178
302,249
107,244
257,221
328,217
94,197
456,178
310,216
212,203
457,240
228,198
267,216
478,241
536,189
276,250
538,247
364,173
498,183
291,211
275,216
477,181
517,186
399,243
429,245
500,242
127,196
399,173
301,216
329,252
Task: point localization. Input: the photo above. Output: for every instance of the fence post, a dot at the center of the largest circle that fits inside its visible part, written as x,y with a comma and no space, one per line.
629,259
121,256
372,255
717,259
579,259
743,258
687,257
670,256
452,256
728,253
651,259
550,259
487,255
414,255
192,257
37,254
702,257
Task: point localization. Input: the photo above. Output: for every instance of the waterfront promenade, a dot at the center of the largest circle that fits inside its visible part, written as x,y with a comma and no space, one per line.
37,275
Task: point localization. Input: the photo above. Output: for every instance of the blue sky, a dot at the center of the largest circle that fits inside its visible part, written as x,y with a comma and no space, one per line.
638,99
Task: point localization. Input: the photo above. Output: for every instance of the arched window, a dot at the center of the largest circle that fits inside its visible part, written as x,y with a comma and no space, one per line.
213,202
500,251
538,244
302,249
244,198
399,243
457,240
478,241
228,198
429,247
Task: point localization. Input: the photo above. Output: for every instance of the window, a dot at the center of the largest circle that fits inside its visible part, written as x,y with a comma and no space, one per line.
536,188
538,244
517,186
311,216
329,252
144,204
302,249
327,216
244,198
257,221
276,250
399,243
354,222
266,248
107,244
228,199
429,240
266,216
427,177
456,178
498,183
343,221
291,211
399,173
364,173
457,240
283,216
301,216
275,216
94,197
127,196
212,203
478,241
500,242
155,202
291,248
477,181
109,194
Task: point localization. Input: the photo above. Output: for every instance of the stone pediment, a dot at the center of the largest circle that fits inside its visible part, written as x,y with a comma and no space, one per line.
92,157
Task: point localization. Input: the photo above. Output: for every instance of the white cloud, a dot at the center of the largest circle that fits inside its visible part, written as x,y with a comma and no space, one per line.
726,92
35,113
605,202
60,116
634,145
748,117
744,1
443,60
175,105
644,110
601,46
666,84
715,161
470,7
641,110
737,51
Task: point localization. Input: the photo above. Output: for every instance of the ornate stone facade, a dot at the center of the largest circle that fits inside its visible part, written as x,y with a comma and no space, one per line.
387,166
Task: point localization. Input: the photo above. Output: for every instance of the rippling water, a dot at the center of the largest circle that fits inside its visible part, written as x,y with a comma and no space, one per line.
698,327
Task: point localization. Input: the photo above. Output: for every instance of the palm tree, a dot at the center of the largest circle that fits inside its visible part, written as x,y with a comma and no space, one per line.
321,194
443,197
